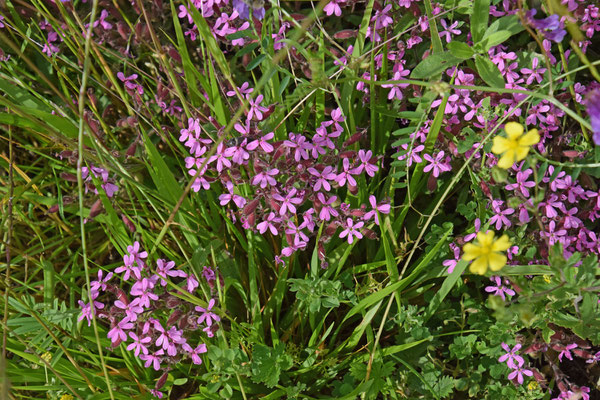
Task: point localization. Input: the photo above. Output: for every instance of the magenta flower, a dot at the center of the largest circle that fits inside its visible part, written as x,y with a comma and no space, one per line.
153,359
451,263
135,255
225,198
436,164
352,230
265,178
383,208
327,211
268,224
195,353
412,155
323,177
592,104
366,163
262,142
471,236
207,316
256,110
139,344
191,283
100,284
534,73
164,269
288,202
298,244
511,356
143,290
244,90
346,174
292,229
550,204
553,234
102,21
131,309
86,310
333,7
299,144
522,185
566,352
129,82
518,373
499,218
118,331
449,30
499,290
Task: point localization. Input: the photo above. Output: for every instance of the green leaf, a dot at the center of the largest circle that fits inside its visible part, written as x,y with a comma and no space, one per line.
510,23
434,64
479,19
268,363
489,72
255,62
460,50
495,39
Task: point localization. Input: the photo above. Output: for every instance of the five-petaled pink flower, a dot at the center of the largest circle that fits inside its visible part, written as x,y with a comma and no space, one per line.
352,230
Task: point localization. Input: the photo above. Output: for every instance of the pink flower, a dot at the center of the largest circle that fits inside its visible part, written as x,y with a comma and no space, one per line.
195,353
268,224
383,208
366,164
436,164
153,359
256,109
327,211
118,331
566,352
448,30
323,178
207,316
333,8
518,373
499,289
346,174
262,142
265,178
352,230
143,290
138,344
225,198
511,356
288,202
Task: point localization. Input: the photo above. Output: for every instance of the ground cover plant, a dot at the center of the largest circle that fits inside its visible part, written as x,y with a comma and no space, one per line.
374,199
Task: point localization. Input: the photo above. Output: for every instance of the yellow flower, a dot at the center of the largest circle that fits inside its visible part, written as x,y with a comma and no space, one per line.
516,146
486,252
66,397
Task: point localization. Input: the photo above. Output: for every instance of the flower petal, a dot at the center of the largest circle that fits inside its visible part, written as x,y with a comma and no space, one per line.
500,145
530,138
479,266
497,261
507,160
502,244
471,251
513,129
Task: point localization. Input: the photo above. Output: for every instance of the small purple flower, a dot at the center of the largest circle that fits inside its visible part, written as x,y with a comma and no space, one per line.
333,7
244,10
327,211
346,174
268,224
383,208
323,178
153,359
207,316
352,230
265,178
592,104
518,373
256,110
522,185
551,27
143,290
511,356
366,164
164,269
451,263
449,30
289,202
499,290
436,164
139,344
566,352
100,284
131,309
195,353
262,142
118,331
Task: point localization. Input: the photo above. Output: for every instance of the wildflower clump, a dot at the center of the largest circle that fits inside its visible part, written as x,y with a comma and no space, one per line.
516,146
486,252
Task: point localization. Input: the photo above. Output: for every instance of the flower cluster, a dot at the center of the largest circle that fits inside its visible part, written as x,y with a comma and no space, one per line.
285,187
138,318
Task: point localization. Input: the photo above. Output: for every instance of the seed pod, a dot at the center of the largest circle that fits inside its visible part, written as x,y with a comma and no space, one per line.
161,381
96,209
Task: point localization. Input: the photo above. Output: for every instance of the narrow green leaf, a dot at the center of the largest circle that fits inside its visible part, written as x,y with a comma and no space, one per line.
434,64
460,50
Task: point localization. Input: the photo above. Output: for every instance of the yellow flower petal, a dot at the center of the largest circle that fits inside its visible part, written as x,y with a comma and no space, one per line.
532,137
502,244
479,266
485,239
497,261
507,160
500,145
513,130
521,153
471,252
